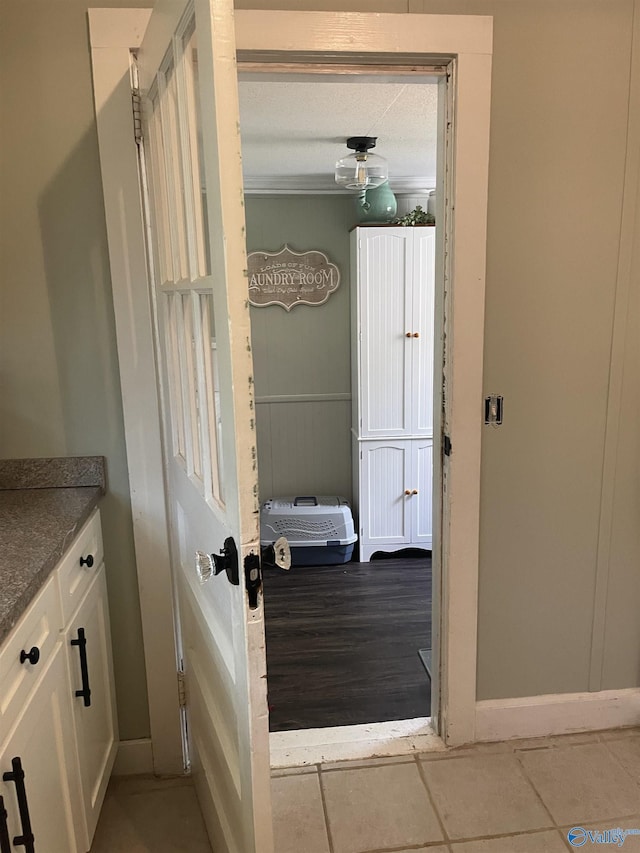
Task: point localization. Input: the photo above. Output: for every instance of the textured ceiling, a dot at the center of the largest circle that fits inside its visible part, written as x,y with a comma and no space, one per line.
295,128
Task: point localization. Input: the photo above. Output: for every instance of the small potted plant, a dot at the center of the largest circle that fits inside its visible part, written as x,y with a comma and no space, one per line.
417,216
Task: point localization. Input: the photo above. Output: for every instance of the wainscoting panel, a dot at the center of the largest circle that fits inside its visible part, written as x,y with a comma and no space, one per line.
304,445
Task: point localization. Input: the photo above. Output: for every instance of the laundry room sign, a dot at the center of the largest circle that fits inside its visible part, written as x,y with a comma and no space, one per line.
288,278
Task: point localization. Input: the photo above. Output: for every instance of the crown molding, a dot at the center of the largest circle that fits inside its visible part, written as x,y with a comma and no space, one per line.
324,185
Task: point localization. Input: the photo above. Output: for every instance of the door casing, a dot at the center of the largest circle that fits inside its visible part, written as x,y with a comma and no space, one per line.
464,45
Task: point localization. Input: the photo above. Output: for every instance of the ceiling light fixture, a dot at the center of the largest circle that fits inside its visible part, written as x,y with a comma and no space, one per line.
361,170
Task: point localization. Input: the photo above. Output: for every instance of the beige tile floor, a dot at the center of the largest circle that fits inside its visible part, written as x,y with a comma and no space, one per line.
517,797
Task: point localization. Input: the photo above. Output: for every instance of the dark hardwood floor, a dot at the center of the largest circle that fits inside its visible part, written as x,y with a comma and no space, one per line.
342,643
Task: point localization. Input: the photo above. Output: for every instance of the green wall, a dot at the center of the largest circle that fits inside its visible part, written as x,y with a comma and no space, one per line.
304,444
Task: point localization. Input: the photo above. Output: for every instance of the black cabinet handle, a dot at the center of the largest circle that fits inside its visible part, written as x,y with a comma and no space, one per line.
33,656
87,561
16,776
81,643
5,844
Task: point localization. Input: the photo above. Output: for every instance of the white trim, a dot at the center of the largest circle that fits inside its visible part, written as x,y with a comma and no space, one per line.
325,185
134,758
117,32
469,39
556,714
347,743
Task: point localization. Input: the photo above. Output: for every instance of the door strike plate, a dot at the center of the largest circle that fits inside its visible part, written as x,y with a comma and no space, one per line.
253,578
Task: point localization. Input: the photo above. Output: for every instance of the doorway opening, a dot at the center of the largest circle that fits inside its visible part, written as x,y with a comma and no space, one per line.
345,388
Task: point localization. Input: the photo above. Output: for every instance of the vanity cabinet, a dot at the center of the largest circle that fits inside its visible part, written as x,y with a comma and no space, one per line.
57,706
45,802
392,311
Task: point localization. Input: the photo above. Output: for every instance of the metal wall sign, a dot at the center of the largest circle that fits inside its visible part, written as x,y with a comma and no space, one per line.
289,278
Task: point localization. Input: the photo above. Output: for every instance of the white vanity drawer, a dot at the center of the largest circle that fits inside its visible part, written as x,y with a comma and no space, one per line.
74,576
38,631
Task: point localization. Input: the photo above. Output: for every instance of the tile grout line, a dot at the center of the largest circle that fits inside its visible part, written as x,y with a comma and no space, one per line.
422,775
325,810
536,792
619,763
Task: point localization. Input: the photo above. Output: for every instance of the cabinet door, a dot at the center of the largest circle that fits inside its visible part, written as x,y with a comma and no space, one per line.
95,724
385,319
422,299
42,739
422,502
384,506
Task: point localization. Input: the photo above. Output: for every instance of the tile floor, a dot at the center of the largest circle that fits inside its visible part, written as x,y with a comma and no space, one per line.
516,797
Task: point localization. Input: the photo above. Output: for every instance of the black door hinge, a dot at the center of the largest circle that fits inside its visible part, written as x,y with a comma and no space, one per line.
253,578
446,445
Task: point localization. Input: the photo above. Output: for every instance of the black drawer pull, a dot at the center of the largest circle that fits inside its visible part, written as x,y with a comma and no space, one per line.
16,776
87,561
33,656
5,844
81,643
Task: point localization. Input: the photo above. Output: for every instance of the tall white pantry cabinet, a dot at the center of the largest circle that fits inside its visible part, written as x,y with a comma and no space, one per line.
392,295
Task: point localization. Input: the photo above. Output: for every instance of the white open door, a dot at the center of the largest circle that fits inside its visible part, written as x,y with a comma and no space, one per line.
192,165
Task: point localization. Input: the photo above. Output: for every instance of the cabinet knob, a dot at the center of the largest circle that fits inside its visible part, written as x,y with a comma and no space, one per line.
416,334
407,491
87,561
33,656
407,334
414,491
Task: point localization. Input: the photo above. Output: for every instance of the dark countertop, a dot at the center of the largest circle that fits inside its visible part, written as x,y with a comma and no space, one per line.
37,525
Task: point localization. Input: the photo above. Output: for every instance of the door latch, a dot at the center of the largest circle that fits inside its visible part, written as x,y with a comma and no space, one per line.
446,445
253,578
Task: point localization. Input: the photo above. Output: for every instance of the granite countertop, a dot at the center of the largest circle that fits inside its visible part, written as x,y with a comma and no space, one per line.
39,522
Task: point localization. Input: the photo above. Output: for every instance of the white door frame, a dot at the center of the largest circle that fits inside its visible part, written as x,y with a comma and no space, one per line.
114,33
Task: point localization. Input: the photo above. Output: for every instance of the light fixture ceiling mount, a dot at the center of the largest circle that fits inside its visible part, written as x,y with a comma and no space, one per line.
361,170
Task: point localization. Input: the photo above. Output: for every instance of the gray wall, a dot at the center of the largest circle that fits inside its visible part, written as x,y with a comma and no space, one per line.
557,612
59,381
559,115
303,356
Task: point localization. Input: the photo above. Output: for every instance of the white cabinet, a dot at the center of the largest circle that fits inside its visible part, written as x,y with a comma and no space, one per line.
394,495
52,730
93,696
392,313
40,746
392,279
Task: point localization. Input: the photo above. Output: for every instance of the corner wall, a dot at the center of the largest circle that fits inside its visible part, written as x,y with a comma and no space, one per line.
60,390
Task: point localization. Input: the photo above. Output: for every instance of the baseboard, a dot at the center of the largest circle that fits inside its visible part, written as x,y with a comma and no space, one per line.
134,758
344,743
557,714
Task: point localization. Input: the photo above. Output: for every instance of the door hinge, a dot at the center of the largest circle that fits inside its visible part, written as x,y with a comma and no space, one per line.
182,689
447,447
136,103
252,578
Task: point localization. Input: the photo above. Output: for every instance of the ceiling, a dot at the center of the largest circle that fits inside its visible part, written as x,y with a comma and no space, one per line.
295,128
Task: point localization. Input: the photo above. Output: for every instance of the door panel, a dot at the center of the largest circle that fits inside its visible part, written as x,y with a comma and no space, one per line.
384,477
385,262
198,259
422,503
